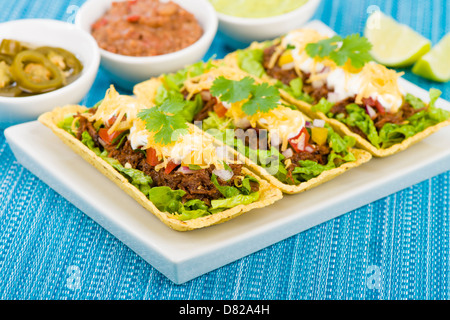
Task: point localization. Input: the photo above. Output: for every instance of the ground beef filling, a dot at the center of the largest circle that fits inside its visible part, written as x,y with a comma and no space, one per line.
317,93
146,28
252,137
257,139
197,186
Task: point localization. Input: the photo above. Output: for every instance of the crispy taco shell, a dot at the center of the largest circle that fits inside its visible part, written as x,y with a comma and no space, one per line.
232,61
361,156
362,143
268,194
144,90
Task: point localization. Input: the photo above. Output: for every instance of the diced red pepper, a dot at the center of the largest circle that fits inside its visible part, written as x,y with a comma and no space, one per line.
108,138
304,136
99,23
220,109
133,18
152,158
374,104
111,120
170,166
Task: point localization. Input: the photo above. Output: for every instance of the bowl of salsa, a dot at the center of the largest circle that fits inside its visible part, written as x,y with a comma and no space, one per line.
140,39
243,22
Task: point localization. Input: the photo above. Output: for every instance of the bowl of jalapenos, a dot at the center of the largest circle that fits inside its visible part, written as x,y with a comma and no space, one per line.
43,64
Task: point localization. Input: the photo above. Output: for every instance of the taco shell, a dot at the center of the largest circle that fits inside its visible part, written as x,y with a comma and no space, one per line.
361,156
231,60
145,92
268,194
362,143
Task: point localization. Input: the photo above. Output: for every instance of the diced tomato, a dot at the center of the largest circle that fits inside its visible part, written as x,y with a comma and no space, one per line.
170,166
111,120
220,109
99,23
108,138
374,104
301,141
379,107
133,18
152,158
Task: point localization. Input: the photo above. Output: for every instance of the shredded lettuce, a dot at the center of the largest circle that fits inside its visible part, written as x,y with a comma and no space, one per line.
86,139
166,199
337,143
390,134
295,89
240,199
66,124
226,191
358,117
309,169
136,177
251,61
323,106
215,122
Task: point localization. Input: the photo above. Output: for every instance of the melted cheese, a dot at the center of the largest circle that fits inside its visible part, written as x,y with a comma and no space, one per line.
378,82
191,148
125,108
281,123
372,81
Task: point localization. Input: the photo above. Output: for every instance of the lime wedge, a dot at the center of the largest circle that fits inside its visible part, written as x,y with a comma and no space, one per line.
394,44
435,65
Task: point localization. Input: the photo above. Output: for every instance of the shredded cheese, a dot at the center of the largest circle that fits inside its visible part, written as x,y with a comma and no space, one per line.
373,80
147,90
204,81
380,80
123,107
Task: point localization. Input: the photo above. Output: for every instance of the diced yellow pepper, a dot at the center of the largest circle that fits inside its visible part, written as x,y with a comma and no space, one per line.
319,135
285,58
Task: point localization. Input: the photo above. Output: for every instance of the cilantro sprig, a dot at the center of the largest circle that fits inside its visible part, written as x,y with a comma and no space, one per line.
353,48
260,97
166,120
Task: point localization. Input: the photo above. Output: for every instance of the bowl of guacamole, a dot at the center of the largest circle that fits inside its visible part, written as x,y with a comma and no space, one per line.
245,21
256,8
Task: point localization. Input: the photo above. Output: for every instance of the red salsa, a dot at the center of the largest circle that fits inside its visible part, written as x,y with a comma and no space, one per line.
144,28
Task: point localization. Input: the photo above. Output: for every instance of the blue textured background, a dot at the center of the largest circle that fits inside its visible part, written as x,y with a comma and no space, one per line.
395,248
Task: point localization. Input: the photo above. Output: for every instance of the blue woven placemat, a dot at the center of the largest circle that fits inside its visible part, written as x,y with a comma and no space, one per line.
395,248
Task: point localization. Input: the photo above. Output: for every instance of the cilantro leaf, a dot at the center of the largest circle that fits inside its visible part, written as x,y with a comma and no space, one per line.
232,91
353,48
264,99
172,106
260,97
323,48
165,120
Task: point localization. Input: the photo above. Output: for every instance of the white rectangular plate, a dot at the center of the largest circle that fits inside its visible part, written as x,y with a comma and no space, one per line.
184,256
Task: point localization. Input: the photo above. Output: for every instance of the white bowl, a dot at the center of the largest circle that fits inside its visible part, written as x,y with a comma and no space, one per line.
14,110
242,31
126,71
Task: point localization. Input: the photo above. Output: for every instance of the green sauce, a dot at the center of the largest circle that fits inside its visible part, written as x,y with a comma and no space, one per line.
256,8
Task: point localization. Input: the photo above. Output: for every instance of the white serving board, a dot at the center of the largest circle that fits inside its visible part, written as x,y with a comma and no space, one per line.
184,256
